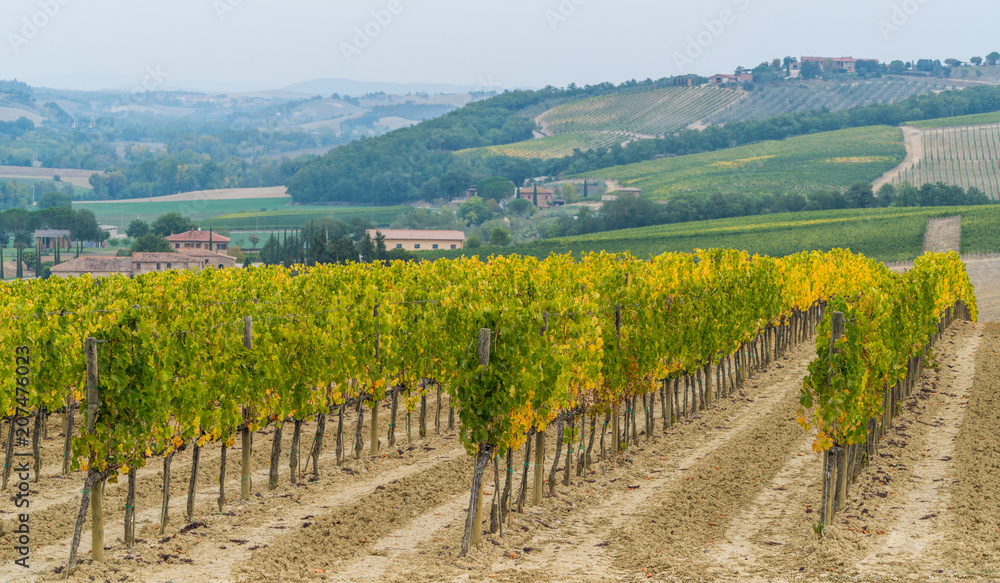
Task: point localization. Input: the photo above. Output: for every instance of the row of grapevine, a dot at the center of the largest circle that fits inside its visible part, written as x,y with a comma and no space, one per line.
554,146
790,97
182,359
871,348
960,156
650,113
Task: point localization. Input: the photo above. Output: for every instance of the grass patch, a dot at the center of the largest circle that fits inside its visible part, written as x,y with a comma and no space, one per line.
808,163
962,120
893,234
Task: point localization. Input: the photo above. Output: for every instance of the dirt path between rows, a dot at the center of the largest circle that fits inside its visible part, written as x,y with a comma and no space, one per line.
913,139
943,235
574,535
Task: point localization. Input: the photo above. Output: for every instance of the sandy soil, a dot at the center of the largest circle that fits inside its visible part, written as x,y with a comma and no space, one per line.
913,138
729,494
222,194
944,234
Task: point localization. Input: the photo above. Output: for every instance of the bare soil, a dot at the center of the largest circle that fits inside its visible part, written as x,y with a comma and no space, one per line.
729,494
913,138
943,235
220,194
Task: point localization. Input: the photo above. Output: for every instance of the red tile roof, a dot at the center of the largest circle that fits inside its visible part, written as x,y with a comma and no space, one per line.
197,237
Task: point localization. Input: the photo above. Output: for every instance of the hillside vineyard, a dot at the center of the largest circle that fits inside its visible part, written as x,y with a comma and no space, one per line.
179,359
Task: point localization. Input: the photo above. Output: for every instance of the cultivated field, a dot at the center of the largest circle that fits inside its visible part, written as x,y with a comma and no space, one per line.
765,102
892,234
963,156
807,163
643,113
115,212
554,146
78,178
273,192
726,493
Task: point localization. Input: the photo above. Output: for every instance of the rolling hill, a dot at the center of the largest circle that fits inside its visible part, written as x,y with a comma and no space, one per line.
820,161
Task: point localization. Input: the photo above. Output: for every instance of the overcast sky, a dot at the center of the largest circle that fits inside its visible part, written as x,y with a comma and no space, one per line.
503,43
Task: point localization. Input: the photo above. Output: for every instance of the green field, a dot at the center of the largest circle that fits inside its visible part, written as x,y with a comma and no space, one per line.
962,120
248,213
893,234
807,163
654,112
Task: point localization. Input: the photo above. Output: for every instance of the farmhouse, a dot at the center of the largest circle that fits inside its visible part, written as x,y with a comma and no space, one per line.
543,198
723,79
49,239
139,263
413,240
98,266
199,240
208,258
848,64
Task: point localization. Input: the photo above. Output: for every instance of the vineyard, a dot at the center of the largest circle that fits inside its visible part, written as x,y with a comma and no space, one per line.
765,102
967,156
643,113
962,120
516,352
808,163
891,234
553,146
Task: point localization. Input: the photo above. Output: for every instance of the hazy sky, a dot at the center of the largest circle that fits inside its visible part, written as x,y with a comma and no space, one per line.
506,43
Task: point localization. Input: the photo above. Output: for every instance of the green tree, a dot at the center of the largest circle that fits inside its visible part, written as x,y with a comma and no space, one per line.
366,250
976,61
475,210
992,58
254,239
500,237
496,188
810,70
521,207
172,224
54,198
152,243
137,228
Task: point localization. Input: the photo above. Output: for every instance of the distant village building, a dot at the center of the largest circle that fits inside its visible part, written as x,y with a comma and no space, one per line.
112,231
49,239
147,262
723,79
414,240
199,240
206,258
848,64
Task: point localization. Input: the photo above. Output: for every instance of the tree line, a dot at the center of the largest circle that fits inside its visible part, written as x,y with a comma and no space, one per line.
632,212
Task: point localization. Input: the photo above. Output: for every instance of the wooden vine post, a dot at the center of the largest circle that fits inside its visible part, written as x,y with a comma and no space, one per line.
826,512
97,491
245,481
93,483
536,492
373,437
474,522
